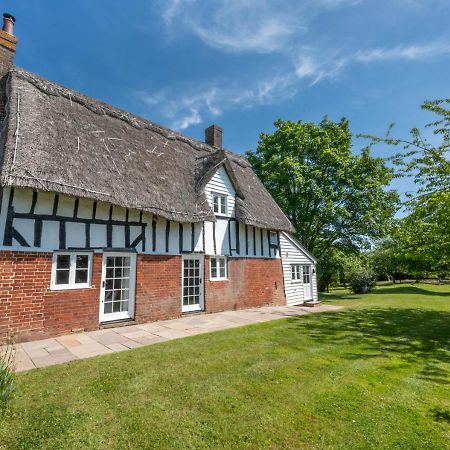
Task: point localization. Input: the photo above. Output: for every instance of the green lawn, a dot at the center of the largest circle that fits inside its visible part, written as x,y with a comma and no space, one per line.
375,375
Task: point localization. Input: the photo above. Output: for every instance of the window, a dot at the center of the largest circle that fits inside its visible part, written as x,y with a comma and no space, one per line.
306,274
295,272
220,204
71,270
219,268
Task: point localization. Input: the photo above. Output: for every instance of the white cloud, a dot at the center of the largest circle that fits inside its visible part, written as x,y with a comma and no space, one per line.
260,26
310,67
409,52
303,57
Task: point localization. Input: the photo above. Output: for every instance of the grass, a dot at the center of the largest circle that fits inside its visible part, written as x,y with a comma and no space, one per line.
374,375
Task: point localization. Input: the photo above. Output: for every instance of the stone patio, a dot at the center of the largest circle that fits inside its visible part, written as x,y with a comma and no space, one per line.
47,352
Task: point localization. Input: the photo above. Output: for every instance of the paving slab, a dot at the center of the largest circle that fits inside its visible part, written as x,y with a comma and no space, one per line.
51,360
47,352
22,361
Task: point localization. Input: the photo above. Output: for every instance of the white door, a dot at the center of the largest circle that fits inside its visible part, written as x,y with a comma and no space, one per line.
118,286
192,273
307,286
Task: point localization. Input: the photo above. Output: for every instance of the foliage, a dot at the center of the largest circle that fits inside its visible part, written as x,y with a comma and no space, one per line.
334,198
328,268
422,238
361,281
7,377
425,161
385,259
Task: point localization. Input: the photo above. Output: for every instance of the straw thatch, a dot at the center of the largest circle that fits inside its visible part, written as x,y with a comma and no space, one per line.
58,140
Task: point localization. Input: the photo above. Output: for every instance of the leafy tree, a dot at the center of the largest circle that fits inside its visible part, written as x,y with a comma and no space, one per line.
386,261
426,161
334,198
328,269
423,237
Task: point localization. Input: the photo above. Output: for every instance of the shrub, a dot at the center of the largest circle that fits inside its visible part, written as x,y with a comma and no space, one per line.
6,374
362,281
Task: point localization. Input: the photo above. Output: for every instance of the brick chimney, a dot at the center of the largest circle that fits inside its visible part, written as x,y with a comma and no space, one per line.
213,136
8,44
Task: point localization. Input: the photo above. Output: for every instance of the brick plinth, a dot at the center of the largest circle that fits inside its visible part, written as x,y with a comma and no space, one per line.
30,310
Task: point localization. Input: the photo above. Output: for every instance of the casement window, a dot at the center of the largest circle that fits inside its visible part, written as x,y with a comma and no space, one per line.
71,270
306,274
219,204
296,272
219,269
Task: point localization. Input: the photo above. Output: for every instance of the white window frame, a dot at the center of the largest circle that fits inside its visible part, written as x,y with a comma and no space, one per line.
223,201
72,272
218,259
298,273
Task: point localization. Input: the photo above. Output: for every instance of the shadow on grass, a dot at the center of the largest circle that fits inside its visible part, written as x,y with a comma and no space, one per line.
409,290
441,415
414,335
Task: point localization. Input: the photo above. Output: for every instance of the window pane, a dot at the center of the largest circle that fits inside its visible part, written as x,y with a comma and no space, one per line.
107,308
62,277
63,261
216,204
222,272
116,307
222,206
213,272
82,261
81,276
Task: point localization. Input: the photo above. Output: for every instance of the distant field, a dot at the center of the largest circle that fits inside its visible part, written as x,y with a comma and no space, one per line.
374,375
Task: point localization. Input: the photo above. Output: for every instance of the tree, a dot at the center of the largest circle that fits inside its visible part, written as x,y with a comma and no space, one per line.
423,237
334,198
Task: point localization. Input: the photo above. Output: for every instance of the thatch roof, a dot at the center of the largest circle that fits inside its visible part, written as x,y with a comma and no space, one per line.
55,139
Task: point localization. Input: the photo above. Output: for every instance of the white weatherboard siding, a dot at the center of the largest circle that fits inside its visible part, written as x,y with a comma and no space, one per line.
75,232
220,183
293,254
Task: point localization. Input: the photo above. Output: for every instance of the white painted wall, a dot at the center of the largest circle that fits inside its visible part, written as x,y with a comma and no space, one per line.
221,184
75,232
293,254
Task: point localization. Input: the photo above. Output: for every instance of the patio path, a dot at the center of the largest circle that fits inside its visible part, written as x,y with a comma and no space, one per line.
47,352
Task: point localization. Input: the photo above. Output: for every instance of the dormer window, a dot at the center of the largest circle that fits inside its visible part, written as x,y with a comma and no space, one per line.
220,204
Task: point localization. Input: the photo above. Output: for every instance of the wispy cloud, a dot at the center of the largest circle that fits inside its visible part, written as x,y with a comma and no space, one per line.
261,26
277,27
408,52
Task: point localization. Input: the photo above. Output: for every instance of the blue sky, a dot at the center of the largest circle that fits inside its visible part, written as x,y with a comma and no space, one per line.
242,64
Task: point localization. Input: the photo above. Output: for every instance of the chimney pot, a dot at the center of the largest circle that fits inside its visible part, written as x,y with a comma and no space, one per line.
213,136
8,23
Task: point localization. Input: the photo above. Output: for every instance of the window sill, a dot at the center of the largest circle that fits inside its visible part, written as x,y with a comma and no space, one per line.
70,288
218,279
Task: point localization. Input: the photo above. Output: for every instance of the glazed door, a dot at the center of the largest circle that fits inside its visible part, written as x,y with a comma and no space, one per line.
192,273
118,286
307,286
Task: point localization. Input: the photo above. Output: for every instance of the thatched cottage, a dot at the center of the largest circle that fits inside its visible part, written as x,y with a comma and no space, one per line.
108,217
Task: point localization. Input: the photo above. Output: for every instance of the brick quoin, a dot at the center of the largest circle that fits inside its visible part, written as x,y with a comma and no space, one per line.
30,310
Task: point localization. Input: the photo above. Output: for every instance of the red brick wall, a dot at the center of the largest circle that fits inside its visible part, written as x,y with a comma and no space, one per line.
158,287
30,310
251,282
